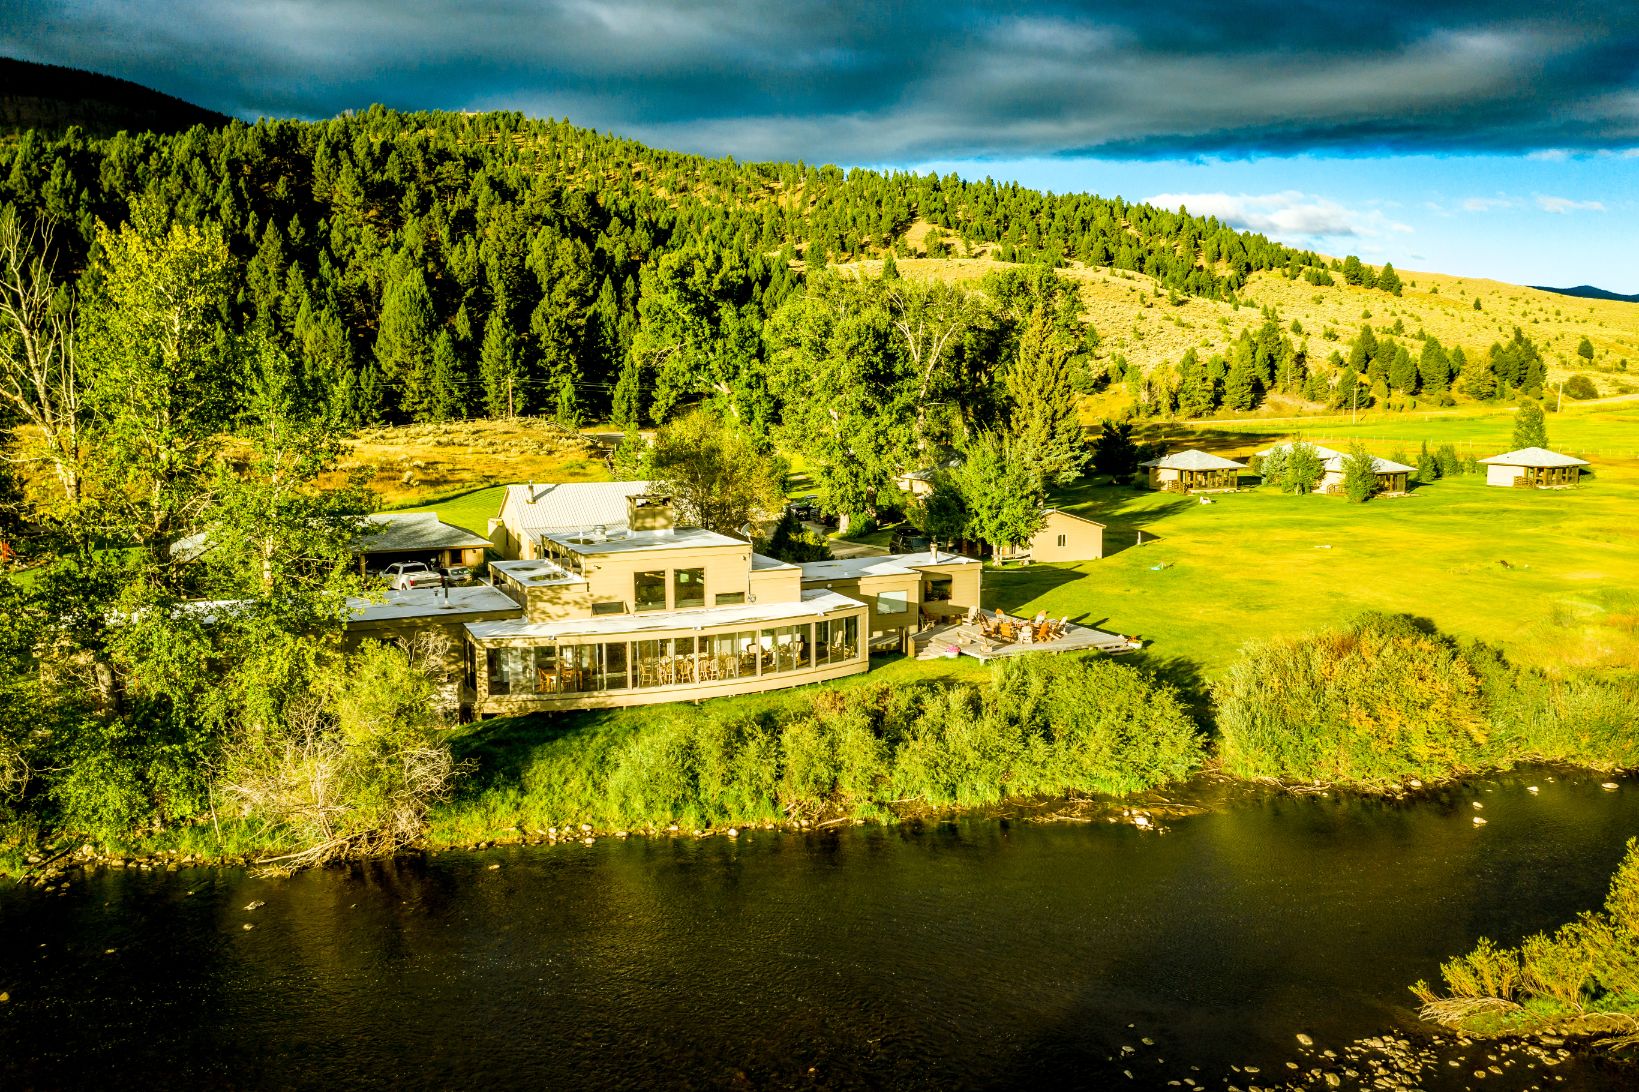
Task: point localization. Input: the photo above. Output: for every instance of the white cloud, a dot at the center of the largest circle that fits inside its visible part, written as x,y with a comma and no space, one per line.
1291,215
1488,204
1562,205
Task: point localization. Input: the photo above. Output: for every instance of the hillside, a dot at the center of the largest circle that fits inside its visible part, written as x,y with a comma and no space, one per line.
1135,318
50,98
1589,292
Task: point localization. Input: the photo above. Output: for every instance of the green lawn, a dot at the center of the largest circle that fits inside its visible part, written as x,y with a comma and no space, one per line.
1551,576
471,511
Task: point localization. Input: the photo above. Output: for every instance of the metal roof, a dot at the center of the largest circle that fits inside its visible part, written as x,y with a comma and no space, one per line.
620,540
1534,457
812,603
1323,452
396,532
1194,459
561,507
1379,466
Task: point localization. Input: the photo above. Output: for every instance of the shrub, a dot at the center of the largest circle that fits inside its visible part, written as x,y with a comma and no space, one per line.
1359,475
1580,387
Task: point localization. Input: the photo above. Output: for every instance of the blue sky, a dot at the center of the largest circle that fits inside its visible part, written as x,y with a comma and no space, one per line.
1485,137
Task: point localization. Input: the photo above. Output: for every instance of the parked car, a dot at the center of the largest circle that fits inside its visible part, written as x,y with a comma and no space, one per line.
908,542
404,575
458,576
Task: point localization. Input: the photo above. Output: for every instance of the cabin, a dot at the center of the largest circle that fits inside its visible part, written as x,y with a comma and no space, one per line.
1193,471
1393,479
1064,536
530,511
417,536
901,591
918,484
1533,468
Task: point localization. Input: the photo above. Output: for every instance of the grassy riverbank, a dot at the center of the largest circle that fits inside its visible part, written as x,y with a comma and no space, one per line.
1026,728
1581,980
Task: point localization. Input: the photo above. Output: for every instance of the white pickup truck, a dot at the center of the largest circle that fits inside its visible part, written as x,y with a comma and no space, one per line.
404,575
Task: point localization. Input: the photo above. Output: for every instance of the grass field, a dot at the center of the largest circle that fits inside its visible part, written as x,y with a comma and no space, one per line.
1550,576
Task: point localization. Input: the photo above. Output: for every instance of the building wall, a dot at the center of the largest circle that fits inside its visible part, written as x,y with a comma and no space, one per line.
1082,540
880,623
1502,475
484,704
776,585
1160,475
610,577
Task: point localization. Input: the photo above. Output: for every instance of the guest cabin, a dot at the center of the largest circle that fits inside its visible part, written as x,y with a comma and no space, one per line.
1064,536
1193,471
1393,479
1533,468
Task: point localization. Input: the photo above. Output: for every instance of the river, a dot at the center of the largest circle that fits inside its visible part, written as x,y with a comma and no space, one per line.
978,953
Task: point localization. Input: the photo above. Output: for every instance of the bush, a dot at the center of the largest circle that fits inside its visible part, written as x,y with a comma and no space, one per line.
1037,727
1390,699
1580,387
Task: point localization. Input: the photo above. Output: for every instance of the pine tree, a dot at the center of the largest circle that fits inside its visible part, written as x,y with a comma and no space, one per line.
1240,384
1434,368
1584,349
1403,372
498,365
1530,425
445,400
1043,400
404,340
1388,280
1428,467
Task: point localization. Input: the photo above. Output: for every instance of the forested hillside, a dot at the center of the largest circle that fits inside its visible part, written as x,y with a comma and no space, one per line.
430,266
51,97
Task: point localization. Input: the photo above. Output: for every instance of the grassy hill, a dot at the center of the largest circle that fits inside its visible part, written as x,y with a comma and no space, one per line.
51,98
1136,319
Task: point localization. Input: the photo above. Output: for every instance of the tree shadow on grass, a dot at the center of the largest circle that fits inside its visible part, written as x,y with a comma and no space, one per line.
1185,676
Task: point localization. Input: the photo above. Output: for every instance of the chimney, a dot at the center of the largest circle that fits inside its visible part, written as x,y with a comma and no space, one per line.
649,512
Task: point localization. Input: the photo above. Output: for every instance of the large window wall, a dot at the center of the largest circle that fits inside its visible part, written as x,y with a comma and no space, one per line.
671,661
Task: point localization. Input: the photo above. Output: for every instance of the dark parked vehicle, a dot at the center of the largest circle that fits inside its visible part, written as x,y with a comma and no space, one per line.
908,542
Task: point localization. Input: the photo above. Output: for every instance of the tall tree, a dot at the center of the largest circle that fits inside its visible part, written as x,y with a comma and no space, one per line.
404,343
39,377
162,377
1530,425
717,478
1043,400
1001,491
498,369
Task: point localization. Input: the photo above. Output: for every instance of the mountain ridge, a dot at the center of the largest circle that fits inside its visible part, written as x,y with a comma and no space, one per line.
53,97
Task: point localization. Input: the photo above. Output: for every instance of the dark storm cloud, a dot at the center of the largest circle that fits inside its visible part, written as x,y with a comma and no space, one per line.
902,81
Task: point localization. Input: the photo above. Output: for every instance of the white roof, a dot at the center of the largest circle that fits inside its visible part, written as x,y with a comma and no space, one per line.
1194,460
539,573
762,562
811,604
619,540
850,568
1534,456
1379,466
1323,452
560,507
433,603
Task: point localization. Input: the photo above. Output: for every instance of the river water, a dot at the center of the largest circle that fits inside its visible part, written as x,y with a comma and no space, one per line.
979,953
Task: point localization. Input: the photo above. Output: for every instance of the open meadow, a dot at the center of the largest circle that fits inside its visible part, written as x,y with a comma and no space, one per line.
1550,576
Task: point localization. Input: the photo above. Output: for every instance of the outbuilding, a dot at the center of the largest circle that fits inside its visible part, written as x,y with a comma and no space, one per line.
1533,467
1193,471
416,536
1063,536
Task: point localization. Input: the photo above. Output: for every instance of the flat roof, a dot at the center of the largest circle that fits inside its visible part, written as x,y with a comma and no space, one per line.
811,604
623,541
537,573
400,606
849,568
762,562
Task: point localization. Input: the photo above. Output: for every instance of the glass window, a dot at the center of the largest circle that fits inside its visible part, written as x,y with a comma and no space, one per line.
649,591
892,602
844,639
784,649
614,666
653,666
546,679
613,607
511,671
728,656
729,599
689,588
938,589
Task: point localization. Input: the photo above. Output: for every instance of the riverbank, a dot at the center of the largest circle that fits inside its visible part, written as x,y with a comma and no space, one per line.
1044,944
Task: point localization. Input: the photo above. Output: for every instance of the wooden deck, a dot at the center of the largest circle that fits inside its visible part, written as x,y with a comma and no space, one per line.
938,639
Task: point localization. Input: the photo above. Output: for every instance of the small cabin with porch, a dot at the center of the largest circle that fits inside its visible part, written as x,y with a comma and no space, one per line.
1533,468
1393,479
416,536
1193,471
